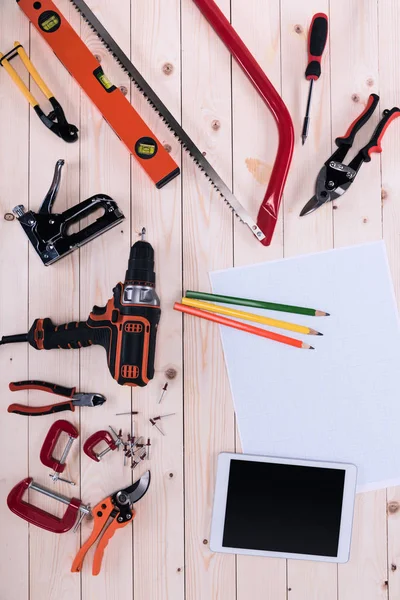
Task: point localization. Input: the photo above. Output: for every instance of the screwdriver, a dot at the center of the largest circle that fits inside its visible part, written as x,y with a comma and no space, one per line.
317,36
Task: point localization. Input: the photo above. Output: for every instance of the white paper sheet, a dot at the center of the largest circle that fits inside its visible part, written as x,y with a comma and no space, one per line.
341,401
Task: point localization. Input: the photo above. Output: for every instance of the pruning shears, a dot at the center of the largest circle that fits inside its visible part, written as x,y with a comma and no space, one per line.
110,514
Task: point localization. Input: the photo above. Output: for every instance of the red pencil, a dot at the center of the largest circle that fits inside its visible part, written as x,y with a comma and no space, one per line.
283,339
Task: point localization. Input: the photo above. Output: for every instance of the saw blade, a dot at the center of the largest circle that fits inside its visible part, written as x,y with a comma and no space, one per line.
167,117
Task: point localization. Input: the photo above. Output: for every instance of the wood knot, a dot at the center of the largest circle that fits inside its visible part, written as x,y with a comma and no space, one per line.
97,57
298,29
384,194
215,124
370,82
393,507
204,153
123,89
171,475
365,220
171,373
167,68
334,206
179,569
9,217
393,567
205,542
167,147
355,98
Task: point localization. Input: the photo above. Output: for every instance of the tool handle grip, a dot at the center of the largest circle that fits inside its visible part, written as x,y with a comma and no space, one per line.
374,144
356,125
36,515
36,411
44,335
44,386
317,36
103,543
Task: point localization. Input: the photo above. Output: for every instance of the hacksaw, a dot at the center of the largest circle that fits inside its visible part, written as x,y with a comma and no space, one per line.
268,213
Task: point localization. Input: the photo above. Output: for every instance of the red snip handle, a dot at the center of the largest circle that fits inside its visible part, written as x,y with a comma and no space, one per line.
268,212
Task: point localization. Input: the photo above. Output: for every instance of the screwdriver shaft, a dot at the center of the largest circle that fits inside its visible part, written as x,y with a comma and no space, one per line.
306,122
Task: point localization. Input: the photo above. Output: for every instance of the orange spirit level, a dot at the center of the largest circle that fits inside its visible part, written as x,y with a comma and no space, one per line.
115,108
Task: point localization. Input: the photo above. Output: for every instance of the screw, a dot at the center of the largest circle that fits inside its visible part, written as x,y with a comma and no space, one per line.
164,389
215,124
298,29
120,519
355,98
31,222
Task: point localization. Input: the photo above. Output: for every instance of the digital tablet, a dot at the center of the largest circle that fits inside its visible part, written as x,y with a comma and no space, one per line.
282,507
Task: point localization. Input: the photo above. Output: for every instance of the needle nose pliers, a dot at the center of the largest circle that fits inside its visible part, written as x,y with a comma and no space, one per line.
335,178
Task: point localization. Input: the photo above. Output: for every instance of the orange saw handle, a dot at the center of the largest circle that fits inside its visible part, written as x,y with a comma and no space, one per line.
111,102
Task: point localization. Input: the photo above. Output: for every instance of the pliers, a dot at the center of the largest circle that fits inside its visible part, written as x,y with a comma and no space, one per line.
117,509
55,120
75,399
335,178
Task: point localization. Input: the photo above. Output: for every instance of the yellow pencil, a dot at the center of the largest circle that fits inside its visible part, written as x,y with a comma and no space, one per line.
247,316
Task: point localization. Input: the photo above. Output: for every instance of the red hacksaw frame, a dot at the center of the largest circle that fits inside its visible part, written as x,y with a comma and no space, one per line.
268,212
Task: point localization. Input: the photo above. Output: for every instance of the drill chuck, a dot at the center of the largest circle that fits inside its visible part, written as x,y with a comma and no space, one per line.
141,265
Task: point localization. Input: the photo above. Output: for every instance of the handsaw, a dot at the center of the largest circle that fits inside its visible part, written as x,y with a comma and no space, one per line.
268,212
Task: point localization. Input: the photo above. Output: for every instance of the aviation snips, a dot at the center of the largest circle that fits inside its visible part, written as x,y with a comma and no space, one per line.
111,514
335,178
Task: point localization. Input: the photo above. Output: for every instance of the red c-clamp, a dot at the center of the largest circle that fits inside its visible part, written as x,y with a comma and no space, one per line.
96,438
40,517
50,442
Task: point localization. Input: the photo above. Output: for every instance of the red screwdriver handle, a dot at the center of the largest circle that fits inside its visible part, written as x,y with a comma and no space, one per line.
317,36
51,439
36,515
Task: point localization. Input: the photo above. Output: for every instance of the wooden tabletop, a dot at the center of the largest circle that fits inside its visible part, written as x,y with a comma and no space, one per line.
165,555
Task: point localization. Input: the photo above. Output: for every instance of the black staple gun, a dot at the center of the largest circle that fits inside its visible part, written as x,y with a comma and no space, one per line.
49,232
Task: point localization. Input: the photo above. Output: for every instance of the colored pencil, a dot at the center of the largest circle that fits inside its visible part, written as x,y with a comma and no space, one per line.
283,339
247,316
312,312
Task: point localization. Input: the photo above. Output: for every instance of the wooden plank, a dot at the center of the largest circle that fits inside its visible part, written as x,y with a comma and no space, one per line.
207,245
105,168
389,83
255,135
158,529
313,233
254,148
54,293
14,122
358,219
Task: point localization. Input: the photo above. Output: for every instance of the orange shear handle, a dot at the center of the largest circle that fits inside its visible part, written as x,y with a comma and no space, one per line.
102,545
101,513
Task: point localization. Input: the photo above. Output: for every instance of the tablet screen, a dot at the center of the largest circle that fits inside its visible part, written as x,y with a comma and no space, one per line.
283,508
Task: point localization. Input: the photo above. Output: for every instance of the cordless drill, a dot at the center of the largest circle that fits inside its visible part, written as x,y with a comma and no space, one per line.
126,327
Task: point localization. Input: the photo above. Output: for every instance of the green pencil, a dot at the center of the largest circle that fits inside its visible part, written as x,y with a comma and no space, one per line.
256,304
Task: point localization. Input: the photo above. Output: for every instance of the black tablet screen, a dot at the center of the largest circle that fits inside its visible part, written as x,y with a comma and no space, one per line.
283,508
